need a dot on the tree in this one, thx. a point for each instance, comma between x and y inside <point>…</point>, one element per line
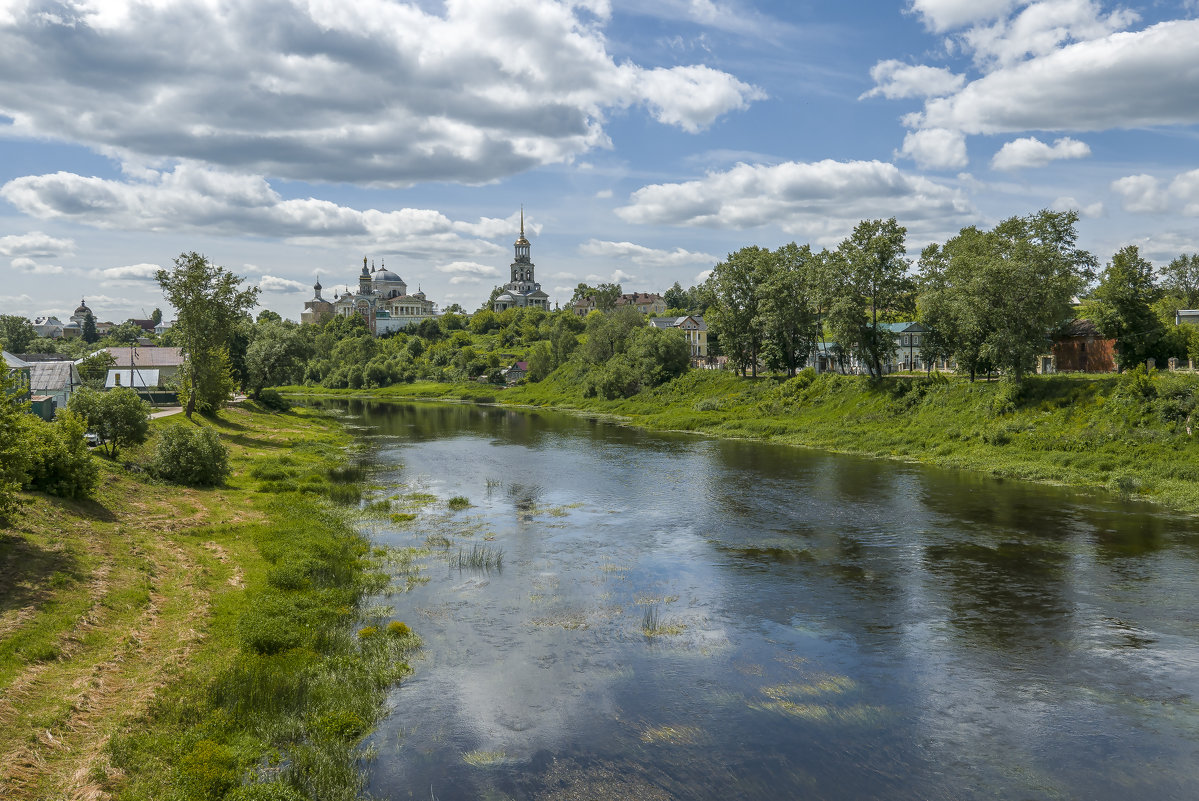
<point>13,454</point>
<point>117,417</point>
<point>1121,307</point>
<point>873,286</point>
<point>16,333</point>
<point>604,295</point>
<point>676,298</point>
<point>266,315</point>
<point>127,333</point>
<point>156,316</point>
<point>1180,278</point>
<point>737,283</point>
<point>1034,273</point>
<point>89,333</point>
<point>955,302</point>
<point>275,356</point>
<point>94,369</point>
<point>789,307</point>
<point>210,302</point>
<point>993,297</point>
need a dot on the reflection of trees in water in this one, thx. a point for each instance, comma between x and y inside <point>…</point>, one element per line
<point>1003,595</point>
<point>524,497</point>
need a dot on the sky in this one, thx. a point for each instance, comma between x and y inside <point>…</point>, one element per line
<point>644,139</point>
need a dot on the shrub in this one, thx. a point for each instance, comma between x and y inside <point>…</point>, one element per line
<point>58,461</point>
<point>399,629</point>
<point>192,456</point>
<point>367,632</point>
<point>271,399</point>
<point>209,770</point>
<point>267,791</point>
<point>459,502</point>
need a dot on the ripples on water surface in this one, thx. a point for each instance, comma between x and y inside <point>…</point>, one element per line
<point>822,626</point>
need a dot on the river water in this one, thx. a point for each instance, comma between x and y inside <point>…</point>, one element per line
<point>680,617</point>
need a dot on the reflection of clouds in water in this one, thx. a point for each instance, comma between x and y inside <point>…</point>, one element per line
<point>537,696</point>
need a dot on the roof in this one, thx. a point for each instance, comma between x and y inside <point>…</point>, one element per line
<point>520,366</point>
<point>148,357</point>
<point>638,297</point>
<point>1080,328</point>
<point>676,322</point>
<point>908,327</point>
<point>12,362</point>
<point>53,376</point>
<point>140,378</point>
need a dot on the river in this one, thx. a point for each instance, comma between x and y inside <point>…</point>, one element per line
<point>682,617</point>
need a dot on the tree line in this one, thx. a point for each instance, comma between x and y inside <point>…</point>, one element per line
<point>993,300</point>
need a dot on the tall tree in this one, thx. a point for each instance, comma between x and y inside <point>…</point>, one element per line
<point>210,302</point>
<point>1180,278</point>
<point>789,307</point>
<point>156,316</point>
<point>874,287</point>
<point>16,333</point>
<point>1035,271</point>
<point>954,301</point>
<point>88,333</point>
<point>1121,307</point>
<point>736,318</point>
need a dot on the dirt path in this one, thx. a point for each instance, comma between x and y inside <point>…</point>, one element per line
<point>111,667</point>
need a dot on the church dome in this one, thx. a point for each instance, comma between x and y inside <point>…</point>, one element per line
<point>83,309</point>
<point>387,275</point>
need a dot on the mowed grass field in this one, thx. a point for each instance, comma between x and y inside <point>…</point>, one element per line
<point>119,615</point>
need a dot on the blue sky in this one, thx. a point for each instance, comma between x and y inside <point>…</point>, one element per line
<point>288,139</point>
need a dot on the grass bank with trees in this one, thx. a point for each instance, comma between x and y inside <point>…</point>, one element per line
<point>160,641</point>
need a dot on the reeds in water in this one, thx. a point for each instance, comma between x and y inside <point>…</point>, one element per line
<point>480,557</point>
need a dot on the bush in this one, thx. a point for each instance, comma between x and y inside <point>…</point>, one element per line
<point>119,417</point>
<point>192,456</point>
<point>271,399</point>
<point>58,461</point>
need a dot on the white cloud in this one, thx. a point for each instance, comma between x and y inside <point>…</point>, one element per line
<point>1032,152</point>
<point>1041,28</point>
<point>467,269</point>
<point>35,244</point>
<point>944,15</point>
<point>895,79</point>
<point>1185,187</point>
<point>27,265</point>
<point>702,276</point>
<point>648,257</point>
<point>191,197</point>
<point>273,283</point>
<point>936,149</point>
<point>823,199</point>
<point>362,91</point>
<point>603,194</point>
<point>131,272</point>
<point>1091,211</point>
<point>1142,194</point>
<point>1122,80</point>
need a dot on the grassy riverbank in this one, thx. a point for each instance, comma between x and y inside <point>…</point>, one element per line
<point>1089,431</point>
<point>161,642</point>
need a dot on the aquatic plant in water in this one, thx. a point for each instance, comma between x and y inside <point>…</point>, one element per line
<point>480,557</point>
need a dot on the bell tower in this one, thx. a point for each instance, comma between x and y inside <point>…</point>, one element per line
<point>522,266</point>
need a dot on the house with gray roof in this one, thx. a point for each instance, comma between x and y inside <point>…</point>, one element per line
<point>57,379</point>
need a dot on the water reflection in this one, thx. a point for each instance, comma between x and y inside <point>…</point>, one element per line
<point>826,626</point>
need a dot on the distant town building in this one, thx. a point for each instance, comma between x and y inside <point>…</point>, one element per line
<point>522,291</point>
<point>644,302</point>
<point>21,369</point>
<point>382,300</point>
<point>694,329</point>
<point>48,327</point>
<point>164,362</point>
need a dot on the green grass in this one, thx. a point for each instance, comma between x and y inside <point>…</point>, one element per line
<point>208,637</point>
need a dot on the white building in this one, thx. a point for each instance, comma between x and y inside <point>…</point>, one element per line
<point>382,300</point>
<point>522,290</point>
